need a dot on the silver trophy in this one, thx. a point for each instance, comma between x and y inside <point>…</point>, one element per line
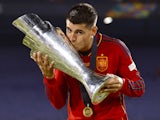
<point>41,36</point>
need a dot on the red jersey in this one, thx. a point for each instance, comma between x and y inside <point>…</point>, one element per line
<point>112,57</point>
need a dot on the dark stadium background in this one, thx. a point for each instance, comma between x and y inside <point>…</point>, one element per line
<point>22,95</point>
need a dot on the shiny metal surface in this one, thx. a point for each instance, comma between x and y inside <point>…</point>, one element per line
<point>41,36</point>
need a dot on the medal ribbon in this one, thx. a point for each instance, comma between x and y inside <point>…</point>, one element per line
<point>85,96</point>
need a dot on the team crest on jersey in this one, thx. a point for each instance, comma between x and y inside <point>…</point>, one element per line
<point>102,63</point>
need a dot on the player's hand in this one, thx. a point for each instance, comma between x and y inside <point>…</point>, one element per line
<point>45,66</point>
<point>113,84</point>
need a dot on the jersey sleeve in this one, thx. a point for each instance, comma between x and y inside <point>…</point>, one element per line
<point>56,89</point>
<point>133,82</point>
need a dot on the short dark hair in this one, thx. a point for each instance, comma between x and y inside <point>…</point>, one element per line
<point>83,13</point>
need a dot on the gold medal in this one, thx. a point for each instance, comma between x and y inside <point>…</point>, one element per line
<point>87,111</point>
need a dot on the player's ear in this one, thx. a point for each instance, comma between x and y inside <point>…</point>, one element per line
<point>94,30</point>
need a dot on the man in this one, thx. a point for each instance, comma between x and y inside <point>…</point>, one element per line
<point>112,57</point>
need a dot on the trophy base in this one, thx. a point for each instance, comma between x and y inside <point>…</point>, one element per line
<point>98,96</point>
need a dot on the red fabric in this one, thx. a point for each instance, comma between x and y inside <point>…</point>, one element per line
<point>112,57</point>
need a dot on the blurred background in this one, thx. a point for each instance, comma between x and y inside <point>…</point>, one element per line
<point>136,22</point>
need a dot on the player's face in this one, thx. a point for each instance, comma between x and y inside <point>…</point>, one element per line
<point>80,35</point>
